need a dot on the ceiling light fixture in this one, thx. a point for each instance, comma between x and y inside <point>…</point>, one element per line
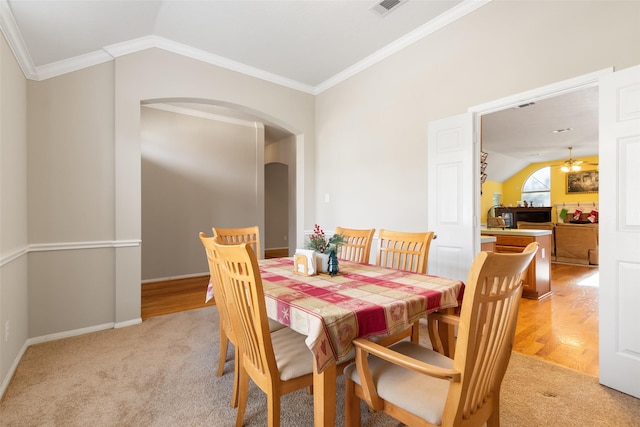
<point>571,165</point>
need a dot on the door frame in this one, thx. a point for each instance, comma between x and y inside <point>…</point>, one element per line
<point>538,94</point>
<point>535,95</point>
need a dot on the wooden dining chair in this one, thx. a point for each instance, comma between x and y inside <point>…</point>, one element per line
<point>421,387</point>
<point>226,329</point>
<point>227,334</point>
<point>357,244</point>
<point>279,362</point>
<point>403,250</point>
<point>240,235</point>
<point>251,235</point>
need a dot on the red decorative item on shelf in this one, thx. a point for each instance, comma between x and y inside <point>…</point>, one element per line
<point>576,214</point>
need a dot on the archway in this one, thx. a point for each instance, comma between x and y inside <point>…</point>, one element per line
<point>201,166</point>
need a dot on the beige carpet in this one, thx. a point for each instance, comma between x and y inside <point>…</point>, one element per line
<point>161,373</point>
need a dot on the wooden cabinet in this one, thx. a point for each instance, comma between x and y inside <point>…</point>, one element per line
<point>488,243</point>
<point>537,278</point>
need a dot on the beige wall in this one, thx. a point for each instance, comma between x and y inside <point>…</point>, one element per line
<point>278,222</point>
<point>13,212</point>
<point>196,173</point>
<point>83,148</point>
<point>276,202</point>
<point>155,74</point>
<point>372,128</point>
<point>71,159</point>
<point>71,201</point>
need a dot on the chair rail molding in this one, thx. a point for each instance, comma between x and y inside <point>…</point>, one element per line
<point>65,246</point>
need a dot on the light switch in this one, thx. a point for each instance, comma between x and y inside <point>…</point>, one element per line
<point>327,199</point>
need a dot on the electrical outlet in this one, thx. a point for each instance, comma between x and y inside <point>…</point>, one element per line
<point>6,331</point>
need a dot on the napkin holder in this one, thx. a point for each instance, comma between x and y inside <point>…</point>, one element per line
<point>304,263</point>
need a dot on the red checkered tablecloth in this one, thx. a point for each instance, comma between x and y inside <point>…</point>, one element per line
<point>363,300</point>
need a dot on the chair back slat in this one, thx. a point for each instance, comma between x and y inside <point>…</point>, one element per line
<point>487,327</point>
<point>245,295</point>
<point>357,244</point>
<point>234,236</point>
<point>404,251</point>
<point>216,281</point>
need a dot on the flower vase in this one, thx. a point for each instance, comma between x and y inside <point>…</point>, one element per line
<point>322,262</point>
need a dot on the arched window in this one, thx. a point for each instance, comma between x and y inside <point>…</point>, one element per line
<point>537,188</point>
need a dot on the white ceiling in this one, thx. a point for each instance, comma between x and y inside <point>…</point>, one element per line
<point>517,137</point>
<point>308,45</point>
<point>303,43</point>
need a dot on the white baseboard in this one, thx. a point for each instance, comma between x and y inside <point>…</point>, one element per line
<point>12,370</point>
<point>131,322</point>
<point>57,336</point>
<point>164,279</point>
<point>68,334</point>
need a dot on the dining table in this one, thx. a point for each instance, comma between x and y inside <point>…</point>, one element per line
<point>362,300</point>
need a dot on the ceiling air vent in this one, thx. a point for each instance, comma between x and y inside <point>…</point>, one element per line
<point>385,6</point>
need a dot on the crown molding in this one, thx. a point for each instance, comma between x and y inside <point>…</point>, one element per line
<point>59,68</point>
<point>450,16</point>
<point>107,53</point>
<point>16,42</point>
<point>200,55</point>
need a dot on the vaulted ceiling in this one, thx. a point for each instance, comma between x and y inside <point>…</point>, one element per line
<point>308,45</point>
<point>305,44</point>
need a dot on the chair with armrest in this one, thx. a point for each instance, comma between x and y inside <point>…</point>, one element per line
<point>226,329</point>
<point>233,236</point>
<point>279,362</point>
<point>421,387</point>
<point>357,244</point>
<point>404,251</point>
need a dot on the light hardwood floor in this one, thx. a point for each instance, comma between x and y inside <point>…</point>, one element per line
<point>562,328</point>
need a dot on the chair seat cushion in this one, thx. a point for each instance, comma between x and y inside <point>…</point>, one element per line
<point>419,394</point>
<point>293,357</point>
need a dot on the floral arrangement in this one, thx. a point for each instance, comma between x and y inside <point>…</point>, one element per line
<point>319,242</point>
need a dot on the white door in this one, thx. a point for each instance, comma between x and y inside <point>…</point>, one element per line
<point>620,231</point>
<point>451,196</point>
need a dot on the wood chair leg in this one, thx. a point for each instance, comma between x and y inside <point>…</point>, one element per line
<point>236,378</point>
<point>415,333</point>
<point>224,346</point>
<point>352,405</point>
<point>273,404</point>
<point>434,336</point>
<point>494,418</point>
<point>243,385</point>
